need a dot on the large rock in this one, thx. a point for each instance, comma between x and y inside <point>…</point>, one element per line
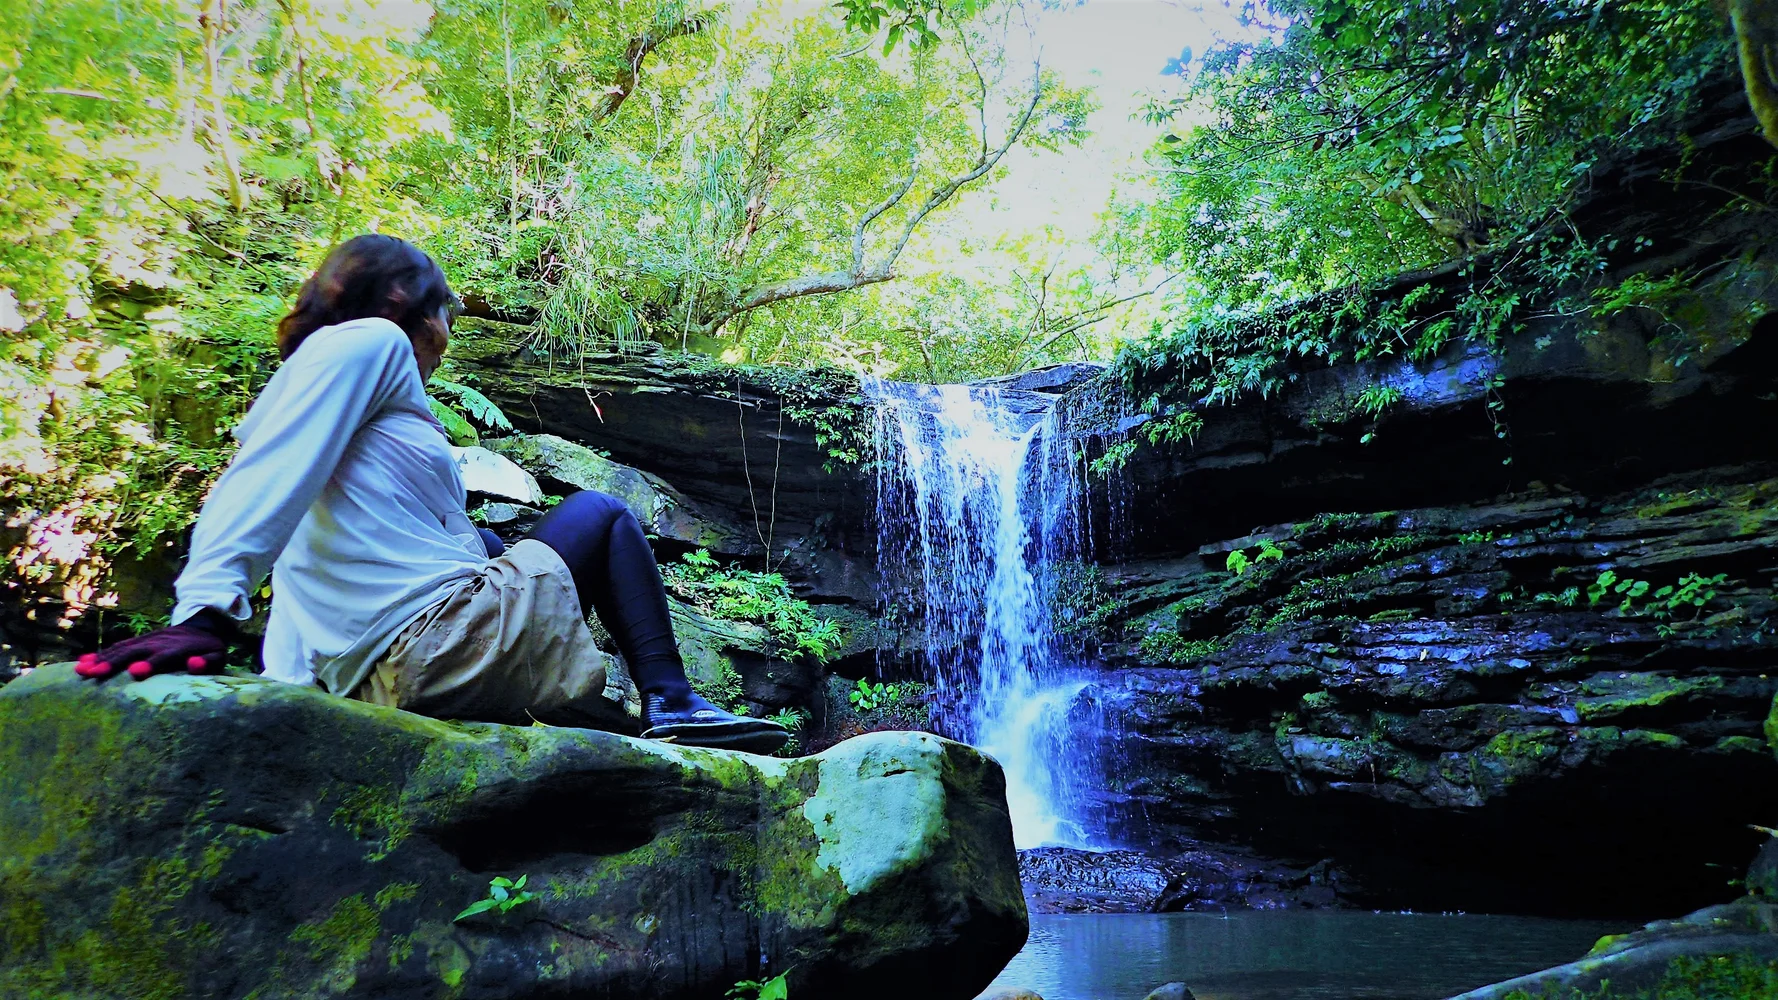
<point>1408,692</point>
<point>660,508</point>
<point>232,836</point>
<point>1728,951</point>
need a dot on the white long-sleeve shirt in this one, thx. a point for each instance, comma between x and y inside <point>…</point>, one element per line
<point>345,488</point>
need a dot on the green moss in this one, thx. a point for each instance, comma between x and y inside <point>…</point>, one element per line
<point>1740,976</point>
<point>1614,695</point>
<point>343,940</point>
<point>1163,646</point>
<point>1739,744</point>
<point>1525,744</point>
<point>396,892</point>
<point>375,813</point>
<point>1772,725</point>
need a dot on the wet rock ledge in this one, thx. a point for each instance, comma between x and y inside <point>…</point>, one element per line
<point>231,837</point>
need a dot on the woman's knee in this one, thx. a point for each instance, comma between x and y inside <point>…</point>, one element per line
<point>591,510</point>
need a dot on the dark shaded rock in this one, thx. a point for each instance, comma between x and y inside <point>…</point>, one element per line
<point>1762,876</point>
<point>1170,991</point>
<point>1403,682</point>
<point>567,466</point>
<point>229,836</point>
<point>758,458</point>
<point>1065,880</point>
<point>1052,379</point>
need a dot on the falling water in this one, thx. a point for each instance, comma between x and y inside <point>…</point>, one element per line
<point>975,505</point>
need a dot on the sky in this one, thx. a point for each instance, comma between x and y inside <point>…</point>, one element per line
<point>1121,48</point>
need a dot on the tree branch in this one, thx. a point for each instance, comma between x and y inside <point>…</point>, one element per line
<point>212,22</point>
<point>863,273</point>
<point>636,53</point>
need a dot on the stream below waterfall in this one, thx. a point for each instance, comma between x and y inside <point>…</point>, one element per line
<point>1289,954</point>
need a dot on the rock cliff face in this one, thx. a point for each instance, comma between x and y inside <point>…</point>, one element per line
<point>1509,647</point>
<point>1444,699</point>
<point>740,461</point>
<point>230,837</point>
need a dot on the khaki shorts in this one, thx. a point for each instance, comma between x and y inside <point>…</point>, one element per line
<point>511,646</point>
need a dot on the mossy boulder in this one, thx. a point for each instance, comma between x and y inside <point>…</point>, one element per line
<point>660,508</point>
<point>1727,952</point>
<point>237,837</point>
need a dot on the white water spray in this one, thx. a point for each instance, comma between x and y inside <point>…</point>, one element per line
<point>971,510</point>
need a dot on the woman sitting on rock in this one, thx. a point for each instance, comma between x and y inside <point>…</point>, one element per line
<point>345,489</point>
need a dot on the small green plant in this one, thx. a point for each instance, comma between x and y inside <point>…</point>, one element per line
<point>869,697</point>
<point>1317,699</point>
<point>1168,646</point>
<point>1377,398</point>
<point>821,640</point>
<point>793,719</point>
<point>468,403</point>
<point>1238,562</point>
<point>1567,598</point>
<point>777,988</point>
<point>762,598</point>
<point>1163,428</point>
<point>503,896</point>
<point>1114,458</point>
<point>1692,591</point>
<point>1475,537</point>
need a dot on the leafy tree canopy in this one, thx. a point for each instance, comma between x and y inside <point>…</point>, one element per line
<point>1366,138</point>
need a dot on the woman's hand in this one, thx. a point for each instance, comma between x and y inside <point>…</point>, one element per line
<point>183,648</point>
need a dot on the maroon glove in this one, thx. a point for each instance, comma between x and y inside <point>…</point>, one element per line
<point>188,647</point>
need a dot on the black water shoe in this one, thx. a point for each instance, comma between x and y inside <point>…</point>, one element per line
<point>691,721</point>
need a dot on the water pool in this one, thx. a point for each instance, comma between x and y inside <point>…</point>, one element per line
<point>1289,955</point>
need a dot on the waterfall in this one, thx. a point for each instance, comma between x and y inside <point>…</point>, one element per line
<point>976,502</point>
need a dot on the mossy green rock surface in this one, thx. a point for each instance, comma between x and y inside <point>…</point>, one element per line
<point>236,837</point>
<point>1727,952</point>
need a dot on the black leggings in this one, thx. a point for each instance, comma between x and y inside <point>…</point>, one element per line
<point>616,577</point>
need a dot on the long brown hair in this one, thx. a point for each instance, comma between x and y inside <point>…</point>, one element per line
<point>370,275</point>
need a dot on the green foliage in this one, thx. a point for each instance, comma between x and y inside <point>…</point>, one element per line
<point>1377,398</point>
<point>471,403</point>
<point>503,896</point>
<point>1363,138</point>
<point>1693,591</point>
<point>1238,562</point>
<point>1165,646</point>
<point>794,719</point>
<point>173,180</point>
<point>762,598</point>
<point>1082,606</point>
<point>1739,976</point>
<point>1164,426</point>
<point>461,432</point>
<point>915,20</point>
<point>869,697</point>
<point>776,988</point>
